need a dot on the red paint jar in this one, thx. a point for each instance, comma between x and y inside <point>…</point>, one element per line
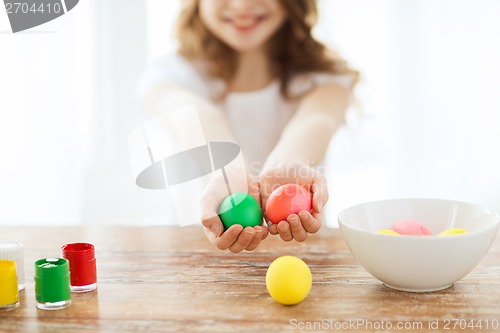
<point>82,266</point>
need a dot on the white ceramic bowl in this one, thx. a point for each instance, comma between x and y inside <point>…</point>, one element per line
<point>418,263</point>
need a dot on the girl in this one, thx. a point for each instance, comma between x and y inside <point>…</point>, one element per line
<point>258,78</point>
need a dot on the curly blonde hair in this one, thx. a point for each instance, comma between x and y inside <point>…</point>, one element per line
<point>292,49</point>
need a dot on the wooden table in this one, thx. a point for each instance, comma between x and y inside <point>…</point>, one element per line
<point>166,279</point>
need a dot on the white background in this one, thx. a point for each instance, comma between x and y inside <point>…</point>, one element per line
<point>426,126</point>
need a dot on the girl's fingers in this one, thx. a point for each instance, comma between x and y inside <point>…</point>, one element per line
<point>273,228</point>
<point>311,223</point>
<point>265,231</point>
<point>284,231</point>
<point>244,239</point>
<point>319,189</point>
<point>257,238</point>
<point>236,237</point>
<point>228,238</point>
<point>298,231</point>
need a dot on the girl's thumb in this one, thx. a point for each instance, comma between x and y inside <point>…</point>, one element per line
<point>215,229</point>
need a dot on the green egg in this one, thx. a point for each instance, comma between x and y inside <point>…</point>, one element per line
<point>240,208</point>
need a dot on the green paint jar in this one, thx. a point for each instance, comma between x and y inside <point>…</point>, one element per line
<point>52,283</point>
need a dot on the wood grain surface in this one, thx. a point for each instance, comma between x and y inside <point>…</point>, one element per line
<point>167,279</point>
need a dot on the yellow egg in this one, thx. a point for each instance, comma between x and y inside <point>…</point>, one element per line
<point>288,280</point>
<point>453,231</point>
<point>387,232</point>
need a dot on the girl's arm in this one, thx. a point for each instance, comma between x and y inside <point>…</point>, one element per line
<point>215,127</point>
<point>303,144</point>
<point>306,137</point>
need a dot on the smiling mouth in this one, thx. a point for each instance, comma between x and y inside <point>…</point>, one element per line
<point>245,23</point>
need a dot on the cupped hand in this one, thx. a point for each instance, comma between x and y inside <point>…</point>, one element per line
<point>236,238</point>
<point>296,226</point>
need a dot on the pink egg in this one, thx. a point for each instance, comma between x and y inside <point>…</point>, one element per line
<point>287,199</point>
<point>411,228</point>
